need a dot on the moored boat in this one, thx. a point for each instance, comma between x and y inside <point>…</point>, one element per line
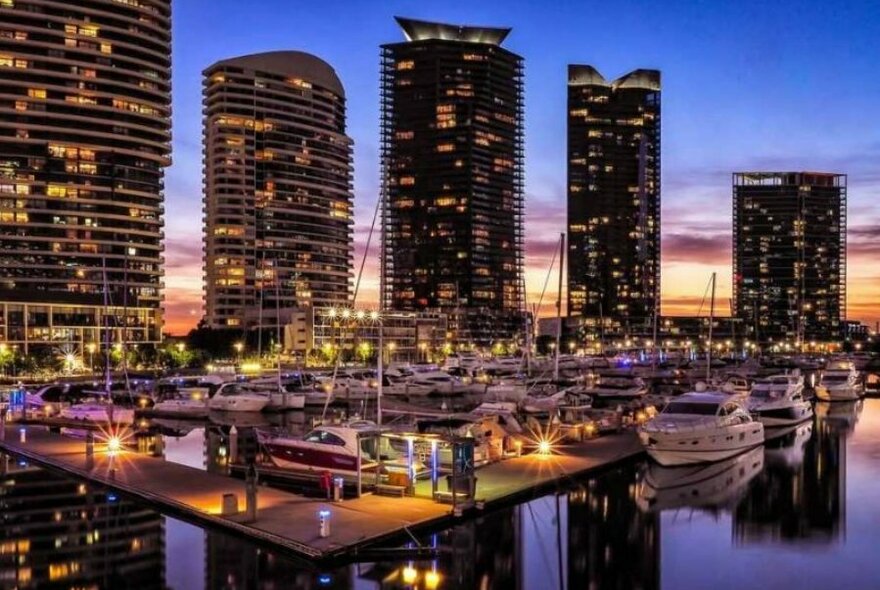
<point>700,427</point>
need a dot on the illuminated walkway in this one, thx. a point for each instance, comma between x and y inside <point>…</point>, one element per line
<point>288,520</point>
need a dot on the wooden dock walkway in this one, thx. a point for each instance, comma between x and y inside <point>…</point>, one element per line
<point>289,521</point>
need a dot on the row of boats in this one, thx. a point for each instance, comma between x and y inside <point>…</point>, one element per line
<point>707,426</point>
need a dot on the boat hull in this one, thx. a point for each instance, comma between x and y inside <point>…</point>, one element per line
<point>835,394</point>
<point>236,403</point>
<point>308,458</point>
<point>120,415</point>
<point>686,448</point>
<point>784,415</point>
<point>286,401</point>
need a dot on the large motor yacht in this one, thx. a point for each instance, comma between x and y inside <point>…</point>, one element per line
<point>779,400</point>
<point>840,381</point>
<point>698,428</point>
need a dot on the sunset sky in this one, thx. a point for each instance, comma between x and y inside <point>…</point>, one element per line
<point>746,86</point>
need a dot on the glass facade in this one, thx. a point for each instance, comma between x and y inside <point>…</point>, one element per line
<point>85,129</point>
<point>614,195</point>
<point>278,187</point>
<point>452,164</point>
<point>789,255</point>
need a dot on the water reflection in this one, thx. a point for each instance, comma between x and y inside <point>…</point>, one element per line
<point>56,532</point>
<point>638,526</point>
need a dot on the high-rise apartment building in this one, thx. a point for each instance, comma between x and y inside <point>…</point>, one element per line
<point>278,188</point>
<point>85,131</point>
<point>789,255</point>
<point>452,165</point>
<point>614,195</point>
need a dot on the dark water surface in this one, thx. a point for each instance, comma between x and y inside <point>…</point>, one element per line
<point>804,512</point>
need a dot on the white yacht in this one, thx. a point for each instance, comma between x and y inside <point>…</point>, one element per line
<point>840,381</point>
<point>617,386</point>
<point>98,411</point>
<point>699,428</point>
<point>779,400</point>
<point>186,404</point>
<point>736,386</point>
<point>237,397</point>
<point>440,383</point>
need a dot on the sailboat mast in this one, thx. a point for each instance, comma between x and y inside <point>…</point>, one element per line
<point>559,308</point>
<point>106,328</point>
<point>711,321</point>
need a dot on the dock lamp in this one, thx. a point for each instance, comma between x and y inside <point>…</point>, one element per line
<point>324,523</point>
<point>114,445</point>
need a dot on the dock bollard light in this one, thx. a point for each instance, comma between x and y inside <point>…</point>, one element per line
<point>324,523</point>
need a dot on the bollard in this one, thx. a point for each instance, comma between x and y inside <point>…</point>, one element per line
<point>3,424</point>
<point>90,444</point>
<point>22,435</point>
<point>324,523</point>
<point>251,493</point>
<point>338,484</point>
<point>233,445</point>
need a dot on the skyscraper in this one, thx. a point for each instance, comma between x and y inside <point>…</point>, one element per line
<point>452,163</point>
<point>278,188</point>
<point>85,131</point>
<point>789,255</point>
<point>614,195</point>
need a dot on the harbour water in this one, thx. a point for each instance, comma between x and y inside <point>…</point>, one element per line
<point>802,512</point>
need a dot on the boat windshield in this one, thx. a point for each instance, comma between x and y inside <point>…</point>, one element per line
<point>324,437</point>
<point>693,408</point>
<point>834,378</point>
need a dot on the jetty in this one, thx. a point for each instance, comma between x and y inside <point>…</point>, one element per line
<point>291,522</point>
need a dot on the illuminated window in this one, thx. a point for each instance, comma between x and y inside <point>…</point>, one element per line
<point>407,181</point>
<point>406,64</point>
<point>404,135</point>
<point>106,48</point>
<point>37,92</point>
<point>446,147</point>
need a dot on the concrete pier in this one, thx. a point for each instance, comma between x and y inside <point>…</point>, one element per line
<point>290,521</point>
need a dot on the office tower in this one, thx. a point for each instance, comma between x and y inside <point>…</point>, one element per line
<point>452,164</point>
<point>278,189</point>
<point>614,195</point>
<point>789,255</point>
<point>85,131</point>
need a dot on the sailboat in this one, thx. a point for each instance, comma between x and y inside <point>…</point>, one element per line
<point>101,407</point>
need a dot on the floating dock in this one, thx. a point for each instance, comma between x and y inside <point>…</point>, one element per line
<point>289,521</point>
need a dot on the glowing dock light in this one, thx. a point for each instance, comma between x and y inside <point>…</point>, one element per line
<point>432,580</point>
<point>114,444</point>
<point>22,435</point>
<point>544,447</point>
<point>409,575</point>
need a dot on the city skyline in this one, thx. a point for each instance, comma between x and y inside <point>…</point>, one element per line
<point>714,123</point>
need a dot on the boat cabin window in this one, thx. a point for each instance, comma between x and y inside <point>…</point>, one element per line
<point>702,409</point>
<point>324,437</point>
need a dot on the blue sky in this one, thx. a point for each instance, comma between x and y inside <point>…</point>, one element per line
<point>746,85</point>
